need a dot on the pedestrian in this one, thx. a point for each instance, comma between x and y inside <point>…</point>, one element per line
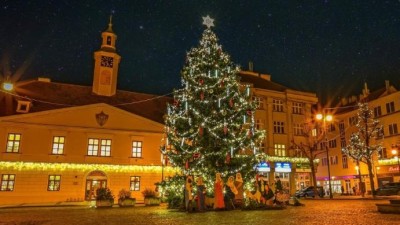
<point>278,185</point>
<point>354,190</point>
<point>342,189</point>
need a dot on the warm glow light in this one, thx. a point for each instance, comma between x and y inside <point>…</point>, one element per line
<point>329,118</point>
<point>8,86</point>
<point>319,116</point>
<point>394,151</point>
<point>357,168</point>
<point>39,166</point>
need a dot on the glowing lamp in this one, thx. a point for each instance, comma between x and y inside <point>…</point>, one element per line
<point>319,116</point>
<point>8,86</point>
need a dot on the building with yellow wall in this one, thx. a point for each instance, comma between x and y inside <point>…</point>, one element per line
<point>282,111</point>
<point>60,142</point>
<point>385,104</point>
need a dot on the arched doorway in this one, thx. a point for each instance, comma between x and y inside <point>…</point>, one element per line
<point>94,180</point>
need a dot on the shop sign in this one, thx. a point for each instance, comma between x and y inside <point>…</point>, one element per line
<point>263,167</point>
<point>283,167</point>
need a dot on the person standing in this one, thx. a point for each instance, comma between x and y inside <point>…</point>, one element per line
<point>201,194</point>
<point>239,188</point>
<point>218,192</point>
<point>188,193</point>
<point>278,184</point>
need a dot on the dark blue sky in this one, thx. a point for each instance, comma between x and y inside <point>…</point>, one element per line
<point>328,47</point>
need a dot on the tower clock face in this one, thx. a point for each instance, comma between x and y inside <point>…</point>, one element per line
<point>107,61</point>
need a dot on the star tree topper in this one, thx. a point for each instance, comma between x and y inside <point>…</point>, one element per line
<point>208,21</point>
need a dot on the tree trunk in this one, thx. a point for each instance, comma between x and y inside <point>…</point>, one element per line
<point>371,177</point>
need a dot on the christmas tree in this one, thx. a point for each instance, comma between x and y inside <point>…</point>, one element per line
<point>210,126</point>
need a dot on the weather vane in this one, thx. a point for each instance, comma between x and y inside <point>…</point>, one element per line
<point>208,21</point>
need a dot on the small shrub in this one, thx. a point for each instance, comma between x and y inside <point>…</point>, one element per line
<point>124,194</point>
<point>104,194</point>
<point>149,193</point>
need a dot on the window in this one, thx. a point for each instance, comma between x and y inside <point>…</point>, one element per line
<point>393,129</point>
<point>324,162</point>
<point>353,121</point>
<point>135,183</point>
<point>261,146</point>
<point>136,149</point>
<point>13,142</point>
<point>279,127</point>
<point>259,124</point>
<point>331,127</point>
<point>58,145</point>
<point>343,142</point>
<point>390,107</point>
<point>7,182</point>
<point>280,150</point>
<point>334,160</point>
<point>332,143</point>
<point>345,164</point>
<point>277,105</point>
<point>298,129</point>
<point>105,147</point>
<point>259,102</point>
<point>382,153</point>
<point>377,111</point>
<point>297,108</point>
<point>54,183</point>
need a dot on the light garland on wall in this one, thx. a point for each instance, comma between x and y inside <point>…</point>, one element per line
<point>269,158</point>
<point>388,162</point>
<point>42,166</point>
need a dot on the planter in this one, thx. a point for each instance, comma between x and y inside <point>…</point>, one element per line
<point>104,203</point>
<point>127,202</point>
<point>150,201</point>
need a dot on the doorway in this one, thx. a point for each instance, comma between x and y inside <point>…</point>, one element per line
<point>94,181</point>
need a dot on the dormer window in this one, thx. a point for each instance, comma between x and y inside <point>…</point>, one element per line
<point>23,106</point>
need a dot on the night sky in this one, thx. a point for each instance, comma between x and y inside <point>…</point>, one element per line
<point>327,47</point>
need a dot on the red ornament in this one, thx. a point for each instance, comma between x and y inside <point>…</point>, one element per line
<point>196,155</point>
<point>201,131</point>
<point>202,96</point>
<point>187,165</point>
<point>201,81</point>
<point>231,102</point>
<point>225,129</point>
<point>176,102</point>
<point>222,83</point>
<point>249,112</point>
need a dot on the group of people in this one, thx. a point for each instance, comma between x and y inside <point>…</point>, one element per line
<point>229,195</point>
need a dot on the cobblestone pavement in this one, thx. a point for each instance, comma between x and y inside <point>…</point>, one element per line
<point>319,212</point>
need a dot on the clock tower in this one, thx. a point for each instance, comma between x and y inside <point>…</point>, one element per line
<point>106,62</point>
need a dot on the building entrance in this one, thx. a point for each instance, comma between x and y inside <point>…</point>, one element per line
<point>94,181</point>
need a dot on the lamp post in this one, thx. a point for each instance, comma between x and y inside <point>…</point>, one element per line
<point>324,117</point>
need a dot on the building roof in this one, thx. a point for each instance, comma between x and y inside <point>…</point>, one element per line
<point>262,81</point>
<point>46,95</point>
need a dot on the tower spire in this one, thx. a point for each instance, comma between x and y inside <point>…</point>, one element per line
<point>109,29</point>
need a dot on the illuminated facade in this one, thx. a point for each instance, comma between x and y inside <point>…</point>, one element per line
<point>281,112</point>
<point>61,141</point>
<point>385,104</point>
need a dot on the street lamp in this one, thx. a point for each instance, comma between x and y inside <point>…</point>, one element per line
<point>324,118</point>
<point>395,153</point>
<point>8,86</point>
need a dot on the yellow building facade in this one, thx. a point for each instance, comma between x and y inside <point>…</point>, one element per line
<point>281,113</point>
<point>345,171</point>
<point>60,142</point>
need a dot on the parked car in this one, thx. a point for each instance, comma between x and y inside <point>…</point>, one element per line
<point>392,188</point>
<point>310,192</point>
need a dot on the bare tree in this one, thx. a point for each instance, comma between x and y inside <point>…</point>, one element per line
<point>310,145</point>
<point>361,149</point>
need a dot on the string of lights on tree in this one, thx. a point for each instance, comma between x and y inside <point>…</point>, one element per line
<point>210,125</point>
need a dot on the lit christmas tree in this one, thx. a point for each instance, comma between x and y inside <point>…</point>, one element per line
<point>210,126</point>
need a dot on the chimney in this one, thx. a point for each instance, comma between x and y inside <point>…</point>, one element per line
<point>365,90</point>
<point>250,66</point>
<point>387,85</point>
